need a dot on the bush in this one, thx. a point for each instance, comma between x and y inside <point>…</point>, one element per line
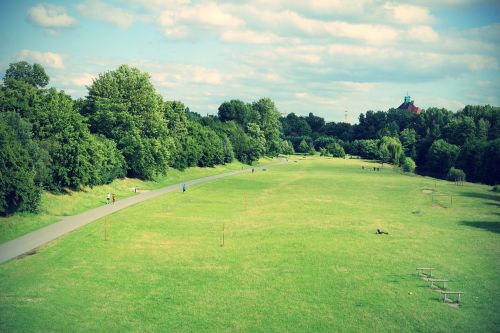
<point>408,165</point>
<point>323,152</point>
<point>287,148</point>
<point>456,175</point>
<point>496,188</point>
<point>335,149</point>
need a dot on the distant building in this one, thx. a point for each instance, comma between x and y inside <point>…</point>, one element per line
<point>408,105</point>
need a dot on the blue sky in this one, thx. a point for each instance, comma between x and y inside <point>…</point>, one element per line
<point>320,56</point>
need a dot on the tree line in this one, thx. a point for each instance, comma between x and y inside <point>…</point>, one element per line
<point>436,142</point>
<point>123,127</point>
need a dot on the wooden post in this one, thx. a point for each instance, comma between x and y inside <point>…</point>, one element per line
<point>106,228</point>
<point>222,239</point>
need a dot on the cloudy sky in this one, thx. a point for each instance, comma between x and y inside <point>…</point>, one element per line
<point>320,56</point>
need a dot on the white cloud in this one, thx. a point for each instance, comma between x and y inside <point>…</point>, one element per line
<point>373,33</point>
<point>49,59</point>
<point>209,14</point>
<point>424,34</point>
<point>192,21</point>
<point>357,86</point>
<point>84,79</point>
<point>102,11</point>
<point>287,22</point>
<point>177,74</point>
<point>409,14</point>
<point>237,23</point>
<point>157,5</point>
<point>50,16</point>
<point>204,75</point>
<point>250,37</point>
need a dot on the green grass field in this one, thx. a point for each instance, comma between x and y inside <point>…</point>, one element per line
<point>55,206</point>
<point>300,255</point>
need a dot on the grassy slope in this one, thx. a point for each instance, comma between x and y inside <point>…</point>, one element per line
<point>53,207</point>
<point>300,255</point>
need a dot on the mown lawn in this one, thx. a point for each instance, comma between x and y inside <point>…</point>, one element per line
<point>55,206</point>
<point>300,255</point>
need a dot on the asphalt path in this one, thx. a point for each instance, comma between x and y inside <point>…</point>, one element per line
<point>32,241</point>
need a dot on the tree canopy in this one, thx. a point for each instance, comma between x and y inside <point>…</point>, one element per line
<point>124,127</point>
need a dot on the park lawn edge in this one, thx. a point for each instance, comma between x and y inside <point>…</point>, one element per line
<point>53,207</point>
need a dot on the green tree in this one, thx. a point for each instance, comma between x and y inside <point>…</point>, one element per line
<point>316,123</point>
<point>177,124</point>
<point>441,157</point>
<point>490,166</point>
<point>270,125</point>
<point>40,157</point>
<point>391,150</point>
<point>459,130</point>
<point>257,135</point>
<point>18,190</point>
<point>364,148</point>
<point>408,138</point>
<point>212,150</point>
<point>408,165</point>
<point>124,106</point>
<point>335,149</point>
<point>22,71</point>
<point>238,111</point>
<point>303,147</point>
<point>456,175</point>
<point>287,148</point>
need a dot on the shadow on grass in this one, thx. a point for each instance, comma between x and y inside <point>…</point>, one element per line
<point>486,196</point>
<point>486,225</point>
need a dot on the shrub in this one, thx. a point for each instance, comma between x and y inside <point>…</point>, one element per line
<point>456,175</point>
<point>408,165</point>
<point>335,149</point>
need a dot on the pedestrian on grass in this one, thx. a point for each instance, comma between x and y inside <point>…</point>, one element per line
<point>108,196</point>
<point>183,188</point>
<point>114,198</point>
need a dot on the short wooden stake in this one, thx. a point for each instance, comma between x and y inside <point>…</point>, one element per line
<point>222,239</point>
<point>105,228</point>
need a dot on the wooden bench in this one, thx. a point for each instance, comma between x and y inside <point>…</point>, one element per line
<point>420,271</point>
<point>445,294</point>
<point>432,281</point>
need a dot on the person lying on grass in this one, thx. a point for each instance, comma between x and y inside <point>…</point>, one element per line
<point>381,232</point>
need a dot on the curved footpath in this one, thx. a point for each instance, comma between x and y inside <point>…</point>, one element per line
<point>35,239</point>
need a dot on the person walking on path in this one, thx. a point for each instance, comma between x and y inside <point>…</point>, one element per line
<point>108,196</point>
<point>183,188</point>
<point>114,198</point>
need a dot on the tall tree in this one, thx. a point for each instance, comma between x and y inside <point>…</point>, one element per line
<point>270,125</point>
<point>18,190</point>
<point>32,74</point>
<point>441,157</point>
<point>124,106</point>
<point>238,111</point>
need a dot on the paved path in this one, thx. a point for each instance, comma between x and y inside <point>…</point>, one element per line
<point>35,239</point>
